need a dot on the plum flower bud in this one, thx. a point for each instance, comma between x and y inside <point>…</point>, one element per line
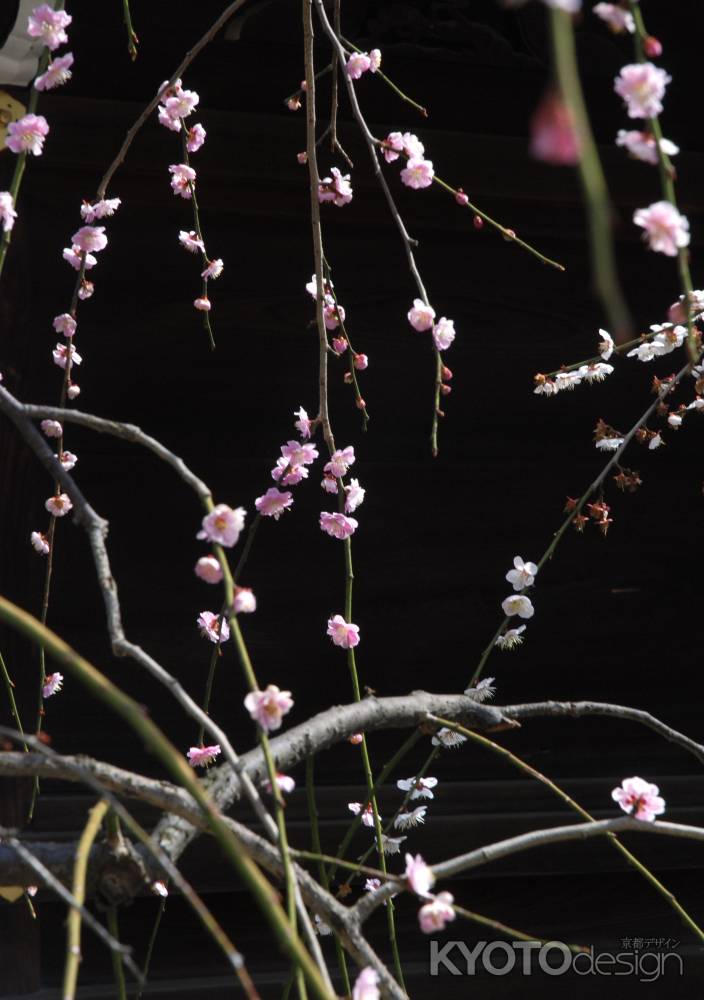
<point>59,505</point>
<point>293,104</point>
<point>90,239</point>
<point>366,986</point>
<point>461,198</point>
<point>65,323</point>
<point>52,428</point>
<point>87,287</point>
<point>203,756</point>
<point>666,231</point>
<point>652,47</point>
<point>356,738</point>
<point>7,211</point>
<point>434,915</point>
<point>302,157</point>
<point>40,543</point>
<point>361,362</point>
<point>52,685</point>
<point>210,628</point>
<point>273,503</point>
<point>375,60</point>
<point>73,391</point>
<point>343,634</point>
<point>159,888</point>
<point>57,73</point>
<point>517,604</point>
<point>419,876</point>
<point>421,316</point>
<point>338,525</point>
<point>554,137</point>
<point>640,798</point>
<point>478,222</point>
<point>208,569</point>
<point>202,304</point>
<point>49,25</point>
<point>339,345</point>
<point>27,134</point>
<point>245,602</point>
<point>443,333</point>
<point>68,460</point>
<point>182,177</point>
<point>268,708</point>
<point>418,173</point>
<point>642,87</point>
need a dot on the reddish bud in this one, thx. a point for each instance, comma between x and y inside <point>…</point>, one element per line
<point>509,235</point>
<point>478,222</point>
<point>446,390</point>
<point>302,157</point>
<point>356,738</point>
<point>460,197</point>
<point>360,404</point>
<point>446,373</point>
<point>652,47</point>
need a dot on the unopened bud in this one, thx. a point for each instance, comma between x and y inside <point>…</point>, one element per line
<point>509,235</point>
<point>652,47</point>
<point>348,378</point>
<point>478,222</point>
<point>73,391</point>
<point>293,104</point>
<point>360,404</point>
<point>304,85</point>
<point>446,390</point>
<point>302,157</point>
<point>356,738</point>
<point>446,373</point>
<point>461,198</point>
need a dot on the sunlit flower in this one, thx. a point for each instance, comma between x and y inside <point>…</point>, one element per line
<point>342,633</point>
<point>358,63</point>
<point>642,87</point>
<point>553,135</point>
<point>609,443</point>
<point>336,189</point>
<point>407,820</point>
<point>57,73</point>
<point>361,362</point>
<point>203,756</point>
<point>72,255</point>
<point>321,927</point>
<point>59,505</point>
<point>196,138</point>
<point>420,788</point>
<point>642,145</point>
<point>191,241</point>
<point>210,628</point>
<point>65,323</point>
<point>419,876</point>
<point>418,173</point>
<point>655,442</point>
<point>99,209</point>
<point>159,889</point>
<point>52,428</point>
<point>665,229</point>
<point>49,25</point>
<point>606,345</point>
<point>214,269</point>
<point>522,575</point>
<point>284,782</point>
<point>421,316</point>
<point>182,104</point>
<point>338,525</point>
<point>273,503</point>
<point>202,304</point>
<point>52,685</point>
<point>340,461</point>
<point>182,177</point>
<point>517,604</point>
<point>354,496</point>
<point>27,134</point>
<point>208,568</point>
<point>443,333</point>
<point>269,707</point>
<point>299,454</point>
<point>223,525</point>
<point>434,915</point>
<point>7,211</point>
<point>617,18</point>
<point>90,239</point>
<point>245,602</point>
<point>303,424</point>
<point>391,845</point>
<point>40,543</point>
<point>68,460</point>
<point>366,814</point>
<point>639,798</point>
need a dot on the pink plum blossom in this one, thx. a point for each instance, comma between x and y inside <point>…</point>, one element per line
<point>329,484</point>
<point>366,815</point>
<point>338,525</point>
<point>361,362</point>
<point>412,146</point>
<point>333,315</point>
<point>339,345</point>
<point>393,146</point>
<point>191,241</point>
<point>617,18</point>
<point>420,788</point>
<point>222,525</point>
<point>273,503</point>
<point>65,323</point>
<point>245,602</point>
<point>268,708</point>
<point>52,428</point>
<point>40,543</point>
<point>336,189</point>
<point>58,72</point>
<point>203,756</point>
<point>202,304</point>
<point>356,738</point>
<point>167,121</point>
<point>196,138</point>
<point>87,288</point>
<point>443,333</point>
<point>375,60</point>
<point>214,269</point>
<point>340,461</point>
<point>59,505</point>
<point>68,460</point>
<point>642,145</point>
<point>303,424</point>
<point>288,474</point>
<point>358,63</point>
<point>418,173</point>
<point>666,231</point>
<point>642,87</point>
<point>299,454</point>
<point>182,177</point>
<point>553,135</point>
<point>640,798</point>
<point>522,575</point>
<point>354,496</point>
<point>99,209</point>
<point>27,134</point>
<point>208,569</point>
<point>419,876</point>
<point>52,684</point>
<point>284,782</point>
<point>49,25</point>
<point>62,352</point>
<point>517,604</point>
<point>209,625</point>
<point>366,986</point>
<point>90,239</point>
<point>72,255</point>
<point>434,915</point>
<point>342,633</point>
<point>181,104</point>
<point>421,316</point>
<point>7,211</point>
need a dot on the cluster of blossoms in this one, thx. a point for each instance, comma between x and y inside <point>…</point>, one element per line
<point>595,372</point>
<point>362,62</point>
<point>336,188</point>
<point>177,104</point>
<point>418,172</point>
<point>520,577</point>
<point>422,318</point>
<point>438,910</point>
<point>598,512</point>
<point>222,526</point>
<point>334,316</point>
<point>642,87</point>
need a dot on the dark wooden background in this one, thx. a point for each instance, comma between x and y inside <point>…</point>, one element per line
<point>616,619</point>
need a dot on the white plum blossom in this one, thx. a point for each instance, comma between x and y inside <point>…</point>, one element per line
<point>391,845</point>
<point>609,443</point>
<point>448,738</point>
<point>606,344</point>
<point>407,820</point>
<point>511,638</point>
<point>517,604</point>
<point>522,575</point>
<point>420,788</point>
